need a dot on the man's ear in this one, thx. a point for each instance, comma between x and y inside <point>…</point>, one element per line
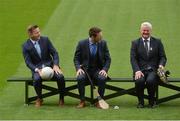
<point>30,34</point>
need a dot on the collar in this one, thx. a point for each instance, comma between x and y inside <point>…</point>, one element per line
<point>91,42</point>
<point>33,41</point>
<point>148,39</point>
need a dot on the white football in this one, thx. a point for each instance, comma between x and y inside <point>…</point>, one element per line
<point>47,73</point>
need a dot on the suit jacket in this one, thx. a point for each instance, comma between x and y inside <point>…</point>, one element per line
<point>139,58</point>
<point>82,55</point>
<point>49,55</point>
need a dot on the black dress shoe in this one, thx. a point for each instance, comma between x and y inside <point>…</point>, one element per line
<point>152,106</point>
<point>140,105</point>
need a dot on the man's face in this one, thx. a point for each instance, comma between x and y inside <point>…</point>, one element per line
<point>145,32</point>
<point>35,34</point>
<point>98,37</point>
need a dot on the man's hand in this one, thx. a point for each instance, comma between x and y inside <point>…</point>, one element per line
<point>103,73</point>
<point>161,66</point>
<point>79,72</point>
<point>138,75</point>
<point>57,69</point>
<point>39,71</point>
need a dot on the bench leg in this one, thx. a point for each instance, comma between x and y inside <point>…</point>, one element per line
<point>92,94</point>
<point>157,94</point>
<point>26,93</point>
<point>170,97</point>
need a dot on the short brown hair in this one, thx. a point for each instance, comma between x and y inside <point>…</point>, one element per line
<point>94,31</point>
<point>31,28</point>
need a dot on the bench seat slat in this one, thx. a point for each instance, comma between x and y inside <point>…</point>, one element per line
<point>24,79</point>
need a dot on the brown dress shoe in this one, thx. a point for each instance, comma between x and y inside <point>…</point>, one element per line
<point>97,105</point>
<point>61,102</point>
<point>81,104</point>
<point>38,102</point>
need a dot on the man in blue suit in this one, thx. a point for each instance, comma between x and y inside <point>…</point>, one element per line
<point>94,55</point>
<point>39,52</point>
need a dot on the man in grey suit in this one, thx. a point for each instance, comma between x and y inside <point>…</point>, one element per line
<point>94,55</point>
<point>147,55</point>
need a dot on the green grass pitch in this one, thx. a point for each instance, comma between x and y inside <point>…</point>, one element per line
<point>66,22</point>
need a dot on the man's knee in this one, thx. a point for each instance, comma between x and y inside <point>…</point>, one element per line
<point>102,78</point>
<point>59,77</point>
<point>81,78</point>
<point>152,79</point>
<point>37,79</point>
<point>140,81</point>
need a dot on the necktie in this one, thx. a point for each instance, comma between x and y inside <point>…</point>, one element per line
<point>146,47</point>
<point>38,49</point>
<point>93,49</point>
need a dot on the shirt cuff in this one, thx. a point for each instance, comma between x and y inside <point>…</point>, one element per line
<point>36,69</point>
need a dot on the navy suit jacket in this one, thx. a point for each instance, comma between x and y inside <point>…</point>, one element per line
<point>139,58</point>
<point>49,55</point>
<point>82,55</point>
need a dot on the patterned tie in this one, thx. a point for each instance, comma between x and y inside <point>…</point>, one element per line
<point>146,47</point>
<point>93,49</point>
<point>38,49</point>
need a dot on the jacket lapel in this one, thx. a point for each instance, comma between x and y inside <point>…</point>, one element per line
<point>99,49</point>
<point>151,47</point>
<point>87,49</point>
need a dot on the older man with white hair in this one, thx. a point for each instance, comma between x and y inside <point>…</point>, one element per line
<point>147,55</point>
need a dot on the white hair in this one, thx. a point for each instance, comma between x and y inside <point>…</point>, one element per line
<point>147,24</point>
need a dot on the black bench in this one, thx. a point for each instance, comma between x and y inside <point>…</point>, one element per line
<point>118,91</point>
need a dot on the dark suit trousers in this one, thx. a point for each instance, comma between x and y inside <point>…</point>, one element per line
<point>38,84</point>
<point>98,80</point>
<point>149,80</point>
